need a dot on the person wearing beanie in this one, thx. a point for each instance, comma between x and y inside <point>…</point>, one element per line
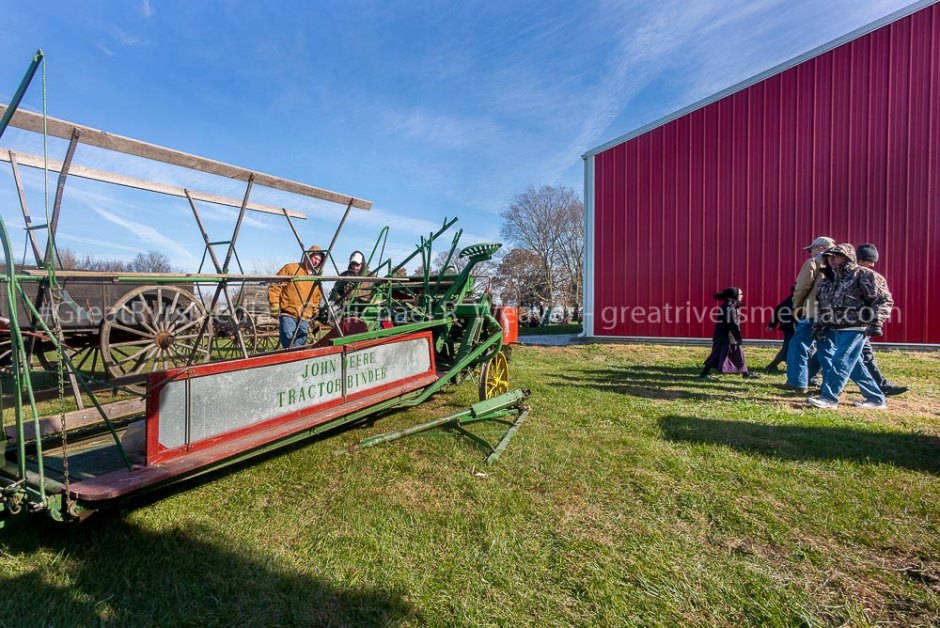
<point>346,291</point>
<point>852,304</point>
<point>727,356</point>
<point>867,258</point>
<point>782,318</point>
<point>802,364</point>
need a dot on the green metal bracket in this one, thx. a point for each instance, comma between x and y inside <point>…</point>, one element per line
<point>497,410</point>
<point>18,96</point>
<point>391,331</point>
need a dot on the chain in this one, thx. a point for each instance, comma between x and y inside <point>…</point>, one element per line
<point>56,294</point>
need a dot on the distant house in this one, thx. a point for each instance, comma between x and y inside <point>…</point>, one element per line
<point>841,141</point>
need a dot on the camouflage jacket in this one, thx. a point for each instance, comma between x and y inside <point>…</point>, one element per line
<point>345,291</point>
<point>853,297</point>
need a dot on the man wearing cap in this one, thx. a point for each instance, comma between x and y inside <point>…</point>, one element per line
<point>852,305</point>
<point>346,291</point>
<point>867,255</point>
<point>295,303</point>
<point>802,364</point>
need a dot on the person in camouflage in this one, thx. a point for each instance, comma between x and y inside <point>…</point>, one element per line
<point>346,291</point>
<point>851,305</point>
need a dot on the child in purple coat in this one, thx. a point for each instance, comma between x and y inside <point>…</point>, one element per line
<point>727,355</point>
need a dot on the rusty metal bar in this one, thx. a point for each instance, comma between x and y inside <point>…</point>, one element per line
<point>205,234</point>
<point>24,208</point>
<point>238,225</point>
<point>57,206</point>
<point>339,228</point>
<point>297,237</point>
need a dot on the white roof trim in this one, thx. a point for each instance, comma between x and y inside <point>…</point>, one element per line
<point>815,52</point>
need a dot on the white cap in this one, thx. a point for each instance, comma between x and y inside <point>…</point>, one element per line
<point>820,241</point>
<point>356,258</point>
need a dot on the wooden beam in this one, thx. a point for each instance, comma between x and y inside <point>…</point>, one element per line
<point>35,161</point>
<point>78,418</point>
<point>195,277</point>
<point>32,121</point>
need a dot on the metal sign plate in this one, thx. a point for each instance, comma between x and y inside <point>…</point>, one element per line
<point>203,407</point>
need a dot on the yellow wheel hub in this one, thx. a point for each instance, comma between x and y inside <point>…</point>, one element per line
<point>494,378</point>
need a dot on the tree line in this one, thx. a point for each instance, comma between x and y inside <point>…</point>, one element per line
<point>149,262</point>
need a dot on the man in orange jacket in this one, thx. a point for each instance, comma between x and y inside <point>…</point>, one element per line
<point>295,303</point>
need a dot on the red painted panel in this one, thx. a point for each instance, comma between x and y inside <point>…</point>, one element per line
<point>845,144</point>
<point>316,414</point>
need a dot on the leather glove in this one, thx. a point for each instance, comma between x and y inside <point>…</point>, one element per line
<point>275,311</point>
<point>323,315</point>
<point>874,331</point>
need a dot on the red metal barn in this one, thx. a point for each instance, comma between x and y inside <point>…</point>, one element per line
<point>843,141</point>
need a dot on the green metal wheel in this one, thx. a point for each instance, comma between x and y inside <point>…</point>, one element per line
<point>494,377</point>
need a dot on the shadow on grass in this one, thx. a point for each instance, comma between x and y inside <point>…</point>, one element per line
<point>655,382</point>
<point>110,570</point>
<point>917,452</point>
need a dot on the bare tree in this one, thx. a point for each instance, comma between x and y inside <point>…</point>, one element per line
<point>455,265</point>
<point>150,262</point>
<point>540,219</point>
<point>519,279</point>
<point>70,260</point>
<point>571,259</point>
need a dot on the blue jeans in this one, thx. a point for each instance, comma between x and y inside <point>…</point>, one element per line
<point>840,354</point>
<point>286,326</point>
<point>868,357</point>
<point>802,363</point>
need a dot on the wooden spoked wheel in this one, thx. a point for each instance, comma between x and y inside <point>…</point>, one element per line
<point>83,350</point>
<point>267,337</point>
<point>154,328</point>
<point>6,353</point>
<point>494,377</point>
<point>226,328</point>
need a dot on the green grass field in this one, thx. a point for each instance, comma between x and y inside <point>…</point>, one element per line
<point>634,494</point>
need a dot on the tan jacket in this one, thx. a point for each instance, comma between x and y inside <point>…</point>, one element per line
<point>807,282</point>
<point>290,296</point>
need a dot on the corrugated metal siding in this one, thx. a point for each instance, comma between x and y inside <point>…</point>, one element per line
<point>844,144</point>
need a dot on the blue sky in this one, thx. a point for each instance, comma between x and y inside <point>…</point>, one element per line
<point>429,109</point>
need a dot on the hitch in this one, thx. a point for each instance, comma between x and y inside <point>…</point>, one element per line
<point>506,409</point>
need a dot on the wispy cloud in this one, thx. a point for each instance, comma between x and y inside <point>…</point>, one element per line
<point>123,37</point>
<point>146,10</point>
<point>103,48</point>
<point>97,242</point>
<point>444,131</point>
<point>145,233</point>
<point>644,49</point>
